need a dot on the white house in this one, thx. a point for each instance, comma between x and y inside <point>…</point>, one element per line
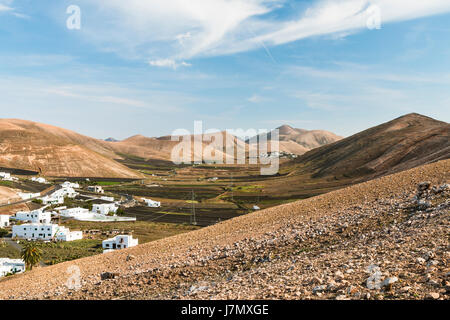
<point>57,197</point>
<point>45,232</point>
<point>119,242</point>
<point>65,192</point>
<point>4,175</point>
<point>104,208</point>
<point>69,184</point>
<point>107,198</point>
<point>11,266</point>
<point>39,180</point>
<point>35,216</point>
<point>76,213</point>
<point>4,220</point>
<point>67,235</point>
<point>52,200</point>
<point>96,189</point>
<point>151,203</point>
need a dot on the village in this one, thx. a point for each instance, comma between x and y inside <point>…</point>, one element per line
<point>43,224</point>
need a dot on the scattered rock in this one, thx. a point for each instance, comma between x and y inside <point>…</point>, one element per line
<point>108,275</point>
<point>432,296</point>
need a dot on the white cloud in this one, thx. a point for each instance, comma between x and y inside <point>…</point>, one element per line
<point>257,99</point>
<point>168,63</point>
<point>5,8</point>
<point>177,30</point>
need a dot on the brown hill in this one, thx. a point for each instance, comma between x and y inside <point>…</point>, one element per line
<point>319,247</point>
<point>54,151</point>
<point>162,147</point>
<point>299,141</point>
<point>400,144</point>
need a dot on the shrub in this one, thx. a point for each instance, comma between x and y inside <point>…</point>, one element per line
<point>3,233</point>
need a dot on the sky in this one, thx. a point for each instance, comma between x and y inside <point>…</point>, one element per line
<point>150,67</point>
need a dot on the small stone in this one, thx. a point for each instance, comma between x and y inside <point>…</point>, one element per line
<point>405,289</point>
<point>423,186</point>
<point>319,288</point>
<point>432,296</point>
<point>130,257</point>
<point>421,260</point>
<point>388,282</point>
<point>342,297</point>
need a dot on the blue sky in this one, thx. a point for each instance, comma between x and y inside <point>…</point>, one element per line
<point>150,67</point>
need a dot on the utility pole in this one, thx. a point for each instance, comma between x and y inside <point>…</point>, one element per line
<point>193,219</point>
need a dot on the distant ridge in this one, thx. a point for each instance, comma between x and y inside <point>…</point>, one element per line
<point>300,141</point>
<point>111,140</point>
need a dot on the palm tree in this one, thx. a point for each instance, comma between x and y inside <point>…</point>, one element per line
<point>31,254</point>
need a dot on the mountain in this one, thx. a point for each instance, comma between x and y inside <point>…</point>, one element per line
<point>110,139</point>
<point>299,141</point>
<point>400,144</point>
<point>161,148</point>
<point>144,147</point>
<point>317,248</point>
<point>54,151</point>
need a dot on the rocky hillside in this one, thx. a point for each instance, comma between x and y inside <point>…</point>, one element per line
<point>54,151</point>
<point>382,239</point>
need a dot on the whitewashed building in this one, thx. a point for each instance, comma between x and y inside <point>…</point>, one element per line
<point>107,198</point>
<point>35,216</point>
<point>4,175</point>
<point>76,213</point>
<point>57,197</point>
<point>39,180</point>
<point>152,203</point>
<point>52,200</point>
<point>4,220</point>
<point>69,184</point>
<point>45,232</point>
<point>119,242</point>
<point>104,208</point>
<point>11,266</point>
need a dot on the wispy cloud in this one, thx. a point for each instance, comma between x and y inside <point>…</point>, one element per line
<point>257,99</point>
<point>168,63</point>
<point>6,6</point>
<point>167,32</point>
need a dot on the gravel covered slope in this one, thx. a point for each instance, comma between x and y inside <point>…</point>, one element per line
<point>379,239</point>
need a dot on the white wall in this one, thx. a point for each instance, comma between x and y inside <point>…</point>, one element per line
<point>11,266</point>
<point>104,208</point>
<point>119,242</point>
<point>4,221</point>
<point>36,216</point>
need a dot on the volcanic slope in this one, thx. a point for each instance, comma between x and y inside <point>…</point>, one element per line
<point>54,151</point>
<point>326,246</point>
<point>400,144</point>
